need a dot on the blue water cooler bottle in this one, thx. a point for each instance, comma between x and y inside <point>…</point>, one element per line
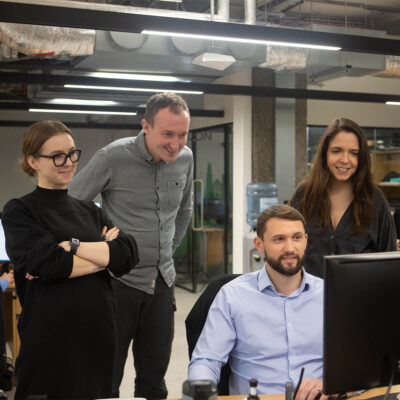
<point>259,196</point>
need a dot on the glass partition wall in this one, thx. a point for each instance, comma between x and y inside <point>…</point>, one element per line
<point>206,250</point>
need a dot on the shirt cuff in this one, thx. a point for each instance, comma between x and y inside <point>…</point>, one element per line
<point>201,371</point>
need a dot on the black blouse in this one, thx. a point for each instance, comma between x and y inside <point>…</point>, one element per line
<point>380,236</point>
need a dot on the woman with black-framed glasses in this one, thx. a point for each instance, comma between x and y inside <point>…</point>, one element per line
<point>61,249</point>
<point>60,159</point>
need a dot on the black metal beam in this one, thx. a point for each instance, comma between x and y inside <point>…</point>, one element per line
<point>210,88</point>
<point>37,14</point>
<point>80,125</point>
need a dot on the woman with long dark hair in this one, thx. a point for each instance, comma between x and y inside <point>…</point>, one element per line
<point>344,210</point>
<point>62,249</point>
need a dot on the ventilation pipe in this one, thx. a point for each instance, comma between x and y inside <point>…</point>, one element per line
<point>223,10</point>
<point>250,12</point>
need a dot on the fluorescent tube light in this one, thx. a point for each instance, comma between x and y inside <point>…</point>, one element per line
<point>82,102</point>
<point>131,89</point>
<point>136,77</point>
<point>393,103</point>
<point>240,40</point>
<point>49,110</point>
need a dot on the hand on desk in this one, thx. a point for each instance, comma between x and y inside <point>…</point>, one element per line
<point>311,389</point>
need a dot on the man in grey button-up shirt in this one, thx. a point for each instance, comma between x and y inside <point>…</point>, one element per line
<point>146,188</point>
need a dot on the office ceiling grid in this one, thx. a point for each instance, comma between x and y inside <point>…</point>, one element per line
<point>370,26</point>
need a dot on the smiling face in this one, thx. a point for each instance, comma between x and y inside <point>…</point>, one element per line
<point>167,136</point>
<point>342,156</point>
<point>284,243</point>
<point>50,176</point>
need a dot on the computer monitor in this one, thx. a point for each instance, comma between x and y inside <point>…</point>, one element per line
<point>3,254</point>
<point>361,321</point>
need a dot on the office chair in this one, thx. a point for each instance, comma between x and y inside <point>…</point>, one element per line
<point>196,319</point>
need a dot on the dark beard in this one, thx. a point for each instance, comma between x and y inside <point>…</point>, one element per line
<point>276,265</point>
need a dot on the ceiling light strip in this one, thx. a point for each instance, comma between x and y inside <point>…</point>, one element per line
<point>82,102</point>
<point>130,89</point>
<point>240,40</point>
<point>137,77</point>
<point>393,103</point>
<point>49,110</point>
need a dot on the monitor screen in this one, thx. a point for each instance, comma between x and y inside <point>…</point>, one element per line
<point>3,254</point>
<point>361,321</point>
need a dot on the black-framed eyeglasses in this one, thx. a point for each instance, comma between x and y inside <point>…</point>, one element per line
<point>60,159</point>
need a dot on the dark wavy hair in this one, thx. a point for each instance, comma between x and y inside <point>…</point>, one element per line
<point>314,187</point>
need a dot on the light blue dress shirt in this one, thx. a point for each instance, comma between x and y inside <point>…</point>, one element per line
<point>4,283</point>
<point>263,334</point>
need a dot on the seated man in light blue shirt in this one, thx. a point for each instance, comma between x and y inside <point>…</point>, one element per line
<point>267,324</point>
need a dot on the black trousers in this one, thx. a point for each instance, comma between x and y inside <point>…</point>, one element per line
<point>148,320</point>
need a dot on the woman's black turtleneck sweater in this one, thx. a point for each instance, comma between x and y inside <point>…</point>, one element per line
<point>67,326</point>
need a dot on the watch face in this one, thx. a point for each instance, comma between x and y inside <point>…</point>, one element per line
<point>75,241</point>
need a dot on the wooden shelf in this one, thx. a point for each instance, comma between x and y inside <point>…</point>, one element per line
<point>385,152</point>
<point>389,184</point>
<point>384,162</point>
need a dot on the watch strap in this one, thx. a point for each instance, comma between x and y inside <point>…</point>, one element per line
<point>74,243</point>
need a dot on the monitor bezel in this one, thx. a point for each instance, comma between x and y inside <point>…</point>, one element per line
<point>344,375</point>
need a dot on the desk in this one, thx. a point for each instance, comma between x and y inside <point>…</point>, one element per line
<point>12,311</point>
<point>366,395</point>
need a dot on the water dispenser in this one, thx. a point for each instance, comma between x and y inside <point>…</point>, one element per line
<point>259,196</point>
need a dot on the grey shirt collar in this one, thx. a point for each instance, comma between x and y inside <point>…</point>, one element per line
<point>143,150</point>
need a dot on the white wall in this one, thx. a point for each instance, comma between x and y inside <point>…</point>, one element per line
<point>237,110</point>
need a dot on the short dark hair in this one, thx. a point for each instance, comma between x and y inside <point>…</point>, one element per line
<point>35,137</point>
<point>157,102</point>
<point>277,211</point>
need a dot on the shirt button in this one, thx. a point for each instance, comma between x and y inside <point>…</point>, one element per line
<point>160,227</point>
<point>289,324</point>
<point>158,208</point>
<point>291,373</point>
<point>157,187</point>
<point>332,237</point>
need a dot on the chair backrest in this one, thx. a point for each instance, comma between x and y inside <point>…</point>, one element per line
<point>197,318</point>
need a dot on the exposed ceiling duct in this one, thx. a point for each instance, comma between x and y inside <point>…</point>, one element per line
<point>392,68</point>
<point>47,40</point>
<point>286,58</point>
<point>129,51</point>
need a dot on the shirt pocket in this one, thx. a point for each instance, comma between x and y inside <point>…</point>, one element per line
<point>175,192</point>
